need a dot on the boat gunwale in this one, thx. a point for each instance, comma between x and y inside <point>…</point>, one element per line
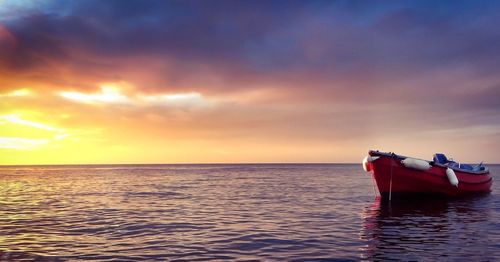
<point>432,163</point>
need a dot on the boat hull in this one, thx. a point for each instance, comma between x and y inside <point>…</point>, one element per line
<point>392,177</point>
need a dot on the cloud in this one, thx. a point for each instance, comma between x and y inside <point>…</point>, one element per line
<point>112,94</point>
<point>234,45</point>
<point>14,126</point>
<point>108,95</point>
<point>263,68</point>
<point>190,100</point>
<point>14,119</point>
<point>331,47</point>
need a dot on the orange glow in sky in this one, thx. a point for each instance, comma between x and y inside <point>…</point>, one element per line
<point>246,85</point>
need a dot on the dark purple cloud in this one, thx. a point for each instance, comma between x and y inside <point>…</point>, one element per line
<point>427,53</point>
<point>270,35</point>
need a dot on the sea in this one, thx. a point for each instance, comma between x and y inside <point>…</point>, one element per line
<point>233,212</point>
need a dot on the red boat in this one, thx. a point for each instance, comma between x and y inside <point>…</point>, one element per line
<point>401,175</point>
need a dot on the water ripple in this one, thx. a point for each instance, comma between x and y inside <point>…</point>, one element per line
<point>232,212</point>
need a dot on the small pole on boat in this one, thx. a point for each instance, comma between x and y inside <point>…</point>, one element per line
<point>373,185</point>
<point>390,185</point>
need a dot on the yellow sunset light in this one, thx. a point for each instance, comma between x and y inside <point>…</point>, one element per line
<point>20,143</point>
<point>17,120</point>
<point>21,134</point>
<point>17,93</point>
<point>108,94</point>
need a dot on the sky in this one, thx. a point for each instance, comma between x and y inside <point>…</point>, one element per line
<point>96,82</point>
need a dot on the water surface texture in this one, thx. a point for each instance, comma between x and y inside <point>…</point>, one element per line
<point>234,212</point>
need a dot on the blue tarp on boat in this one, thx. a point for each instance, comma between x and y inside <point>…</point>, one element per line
<point>440,158</point>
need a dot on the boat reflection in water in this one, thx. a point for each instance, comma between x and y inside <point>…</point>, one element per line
<point>429,229</point>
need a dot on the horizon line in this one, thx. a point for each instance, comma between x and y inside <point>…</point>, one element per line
<point>220,163</point>
<point>192,163</point>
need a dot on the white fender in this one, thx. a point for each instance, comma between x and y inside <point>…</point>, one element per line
<point>416,163</point>
<point>367,166</point>
<point>452,177</point>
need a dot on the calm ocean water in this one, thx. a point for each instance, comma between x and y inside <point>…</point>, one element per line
<point>234,212</point>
